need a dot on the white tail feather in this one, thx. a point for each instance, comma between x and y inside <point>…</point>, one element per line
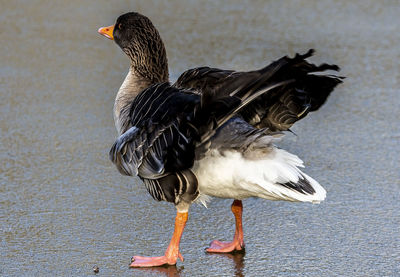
<point>231,175</point>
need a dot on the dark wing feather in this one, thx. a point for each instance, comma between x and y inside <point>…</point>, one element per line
<point>279,109</point>
<point>168,124</point>
<point>174,187</point>
<point>159,147</point>
<point>122,153</point>
<point>302,186</point>
<point>159,140</point>
<point>214,83</point>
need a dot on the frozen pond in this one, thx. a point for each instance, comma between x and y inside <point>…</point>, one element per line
<point>64,207</point>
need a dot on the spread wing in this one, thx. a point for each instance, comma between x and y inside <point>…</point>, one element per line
<point>279,109</point>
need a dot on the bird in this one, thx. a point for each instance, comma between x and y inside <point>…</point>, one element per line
<point>213,132</point>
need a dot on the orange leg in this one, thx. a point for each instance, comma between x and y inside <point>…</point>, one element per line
<point>172,253</point>
<point>237,243</point>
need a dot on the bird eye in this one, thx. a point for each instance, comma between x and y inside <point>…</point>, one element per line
<point>119,26</point>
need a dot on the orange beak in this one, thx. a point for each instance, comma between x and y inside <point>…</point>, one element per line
<point>107,32</point>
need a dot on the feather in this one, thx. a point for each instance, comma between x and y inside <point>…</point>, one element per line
<point>277,111</point>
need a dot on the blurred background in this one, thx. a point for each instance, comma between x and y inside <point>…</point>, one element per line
<point>64,207</point>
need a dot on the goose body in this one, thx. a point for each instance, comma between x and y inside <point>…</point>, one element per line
<point>212,133</point>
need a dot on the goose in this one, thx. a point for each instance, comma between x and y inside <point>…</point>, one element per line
<point>212,133</point>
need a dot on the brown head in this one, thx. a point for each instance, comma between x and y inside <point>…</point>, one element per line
<point>140,40</point>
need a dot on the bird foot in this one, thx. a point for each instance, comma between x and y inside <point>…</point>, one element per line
<point>138,261</point>
<point>217,246</point>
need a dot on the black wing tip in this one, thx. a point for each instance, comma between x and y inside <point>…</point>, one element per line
<point>302,57</point>
<point>308,54</point>
<point>312,68</point>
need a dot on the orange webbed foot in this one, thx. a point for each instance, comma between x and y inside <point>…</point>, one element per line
<point>139,261</point>
<point>217,246</point>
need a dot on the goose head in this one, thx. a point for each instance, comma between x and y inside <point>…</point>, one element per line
<point>136,35</point>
